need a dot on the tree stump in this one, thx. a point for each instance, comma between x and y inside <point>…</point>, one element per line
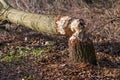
<point>81,48</point>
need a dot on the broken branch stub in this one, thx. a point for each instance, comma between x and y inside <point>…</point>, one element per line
<point>81,48</point>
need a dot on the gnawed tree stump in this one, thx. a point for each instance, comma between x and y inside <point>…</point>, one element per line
<point>80,47</point>
<point>82,51</point>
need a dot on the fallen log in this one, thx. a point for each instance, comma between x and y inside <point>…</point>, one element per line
<point>80,46</point>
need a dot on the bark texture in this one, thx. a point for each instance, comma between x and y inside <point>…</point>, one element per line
<point>41,23</point>
<point>81,47</point>
<point>46,24</point>
<point>82,51</point>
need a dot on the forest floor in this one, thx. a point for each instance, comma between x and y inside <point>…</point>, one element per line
<point>29,55</point>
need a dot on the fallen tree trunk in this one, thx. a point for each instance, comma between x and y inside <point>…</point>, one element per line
<point>47,24</point>
<point>81,48</point>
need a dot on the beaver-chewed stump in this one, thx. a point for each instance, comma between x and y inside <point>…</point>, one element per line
<point>81,50</point>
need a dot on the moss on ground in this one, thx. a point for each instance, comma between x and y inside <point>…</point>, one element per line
<point>21,52</point>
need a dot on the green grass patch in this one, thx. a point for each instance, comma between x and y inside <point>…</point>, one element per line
<point>21,52</point>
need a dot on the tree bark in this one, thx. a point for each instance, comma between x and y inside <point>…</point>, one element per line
<point>82,51</point>
<point>81,48</point>
<point>46,24</point>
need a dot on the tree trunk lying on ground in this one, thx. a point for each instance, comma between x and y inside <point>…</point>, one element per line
<point>80,47</point>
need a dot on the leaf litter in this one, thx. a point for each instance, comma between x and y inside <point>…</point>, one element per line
<point>28,55</point>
